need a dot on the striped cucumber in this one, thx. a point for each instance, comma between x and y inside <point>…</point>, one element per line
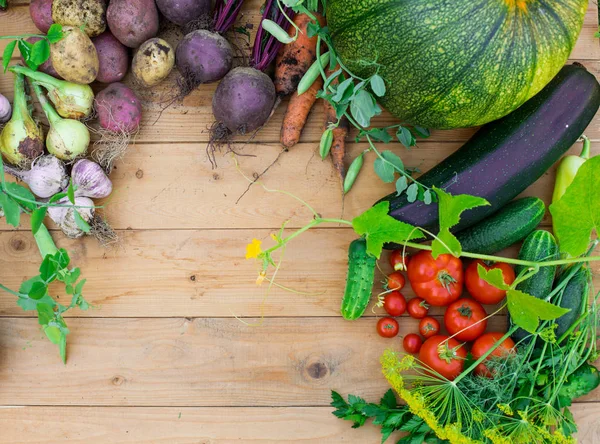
<point>507,226</point>
<point>538,247</point>
<point>359,283</point>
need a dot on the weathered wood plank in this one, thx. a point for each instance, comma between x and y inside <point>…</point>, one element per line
<point>191,425</point>
<point>196,362</point>
<point>197,273</point>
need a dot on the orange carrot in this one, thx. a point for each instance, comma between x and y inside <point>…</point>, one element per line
<point>338,147</point>
<point>297,113</point>
<point>294,59</point>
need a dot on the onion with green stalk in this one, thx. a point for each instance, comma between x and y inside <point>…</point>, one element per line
<point>67,139</point>
<point>22,139</point>
<point>72,100</point>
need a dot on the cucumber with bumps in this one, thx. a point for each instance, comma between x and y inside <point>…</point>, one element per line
<point>359,283</point>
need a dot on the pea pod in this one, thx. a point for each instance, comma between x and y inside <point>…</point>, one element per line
<point>326,142</point>
<point>277,31</point>
<point>353,171</point>
<point>313,72</point>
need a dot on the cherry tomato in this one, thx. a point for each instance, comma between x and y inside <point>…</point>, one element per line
<point>480,289</point>
<point>443,355</point>
<point>396,261</point>
<point>387,327</point>
<point>412,343</point>
<point>464,319</point>
<point>484,343</point>
<point>394,303</point>
<point>417,308</point>
<point>438,281</point>
<point>429,327</point>
<point>395,281</point>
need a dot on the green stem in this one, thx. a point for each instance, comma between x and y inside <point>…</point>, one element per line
<point>50,112</point>
<point>485,355</point>
<point>585,152</point>
<point>20,105</point>
<point>47,81</point>
<point>8,290</point>
<point>512,261</point>
<point>19,37</point>
<point>45,242</point>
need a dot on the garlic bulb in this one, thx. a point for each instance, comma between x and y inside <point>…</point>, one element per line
<point>64,216</point>
<point>46,177</point>
<point>90,179</point>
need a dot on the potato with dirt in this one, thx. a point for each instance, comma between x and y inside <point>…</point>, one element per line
<point>74,57</point>
<point>132,22</point>
<point>88,14</point>
<point>113,57</point>
<point>153,62</point>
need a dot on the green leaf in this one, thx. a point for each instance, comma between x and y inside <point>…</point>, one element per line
<point>378,134</point>
<point>331,77</point>
<point>405,137</point>
<point>384,170</point>
<point>344,91</point>
<point>12,211</point>
<point>7,54</point>
<point>427,197</point>
<point>412,192</point>
<point>26,48</point>
<point>62,258</point>
<point>40,52</point>
<point>421,132</point>
<point>450,210</point>
<point>55,33</point>
<point>579,383</point>
<point>364,107</point>
<point>38,290</point>
<point>37,218</point>
<point>526,311</point>
<point>22,195</point>
<point>389,399</point>
<point>378,85</point>
<point>45,313</point>
<point>53,333</point>
<point>71,192</point>
<point>81,223</point>
<point>57,197</point>
<point>3,3</point>
<point>577,213</point>
<point>378,228</point>
<point>72,276</point>
<point>48,269</point>
<point>494,277</point>
<point>326,142</point>
<point>401,185</point>
<point>79,286</point>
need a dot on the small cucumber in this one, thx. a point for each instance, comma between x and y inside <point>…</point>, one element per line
<point>573,296</point>
<point>507,226</point>
<point>359,283</point>
<point>538,247</point>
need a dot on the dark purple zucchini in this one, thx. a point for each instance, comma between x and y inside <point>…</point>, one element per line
<point>506,156</point>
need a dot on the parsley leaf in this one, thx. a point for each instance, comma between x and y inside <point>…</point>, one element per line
<point>378,228</point>
<point>576,214</point>
<point>450,209</point>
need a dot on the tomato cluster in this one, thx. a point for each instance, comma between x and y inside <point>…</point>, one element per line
<point>440,282</point>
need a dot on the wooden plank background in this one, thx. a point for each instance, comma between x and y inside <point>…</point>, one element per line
<point>181,346</point>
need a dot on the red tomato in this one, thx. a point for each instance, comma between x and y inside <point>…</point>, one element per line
<point>484,343</point>
<point>395,281</point>
<point>438,281</point>
<point>396,261</point>
<point>412,343</point>
<point>480,289</point>
<point>429,327</point>
<point>387,327</point>
<point>417,308</point>
<point>443,355</point>
<point>464,319</point>
<point>394,303</point>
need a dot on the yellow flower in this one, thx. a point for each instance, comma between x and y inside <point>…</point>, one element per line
<point>253,249</point>
<point>261,277</point>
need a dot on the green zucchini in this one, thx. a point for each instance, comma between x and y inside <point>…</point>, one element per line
<point>538,247</point>
<point>504,228</point>
<point>572,297</point>
<point>359,283</point>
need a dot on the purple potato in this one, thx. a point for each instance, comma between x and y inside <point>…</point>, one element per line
<point>244,100</point>
<point>113,57</point>
<point>118,109</point>
<point>132,22</point>
<point>41,14</point>
<point>182,12</point>
<point>204,57</point>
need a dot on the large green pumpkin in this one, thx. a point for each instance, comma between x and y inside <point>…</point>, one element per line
<point>456,63</point>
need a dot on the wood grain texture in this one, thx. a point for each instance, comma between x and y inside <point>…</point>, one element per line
<point>193,425</point>
<point>200,362</point>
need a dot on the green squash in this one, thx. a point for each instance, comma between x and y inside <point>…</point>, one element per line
<point>456,63</point>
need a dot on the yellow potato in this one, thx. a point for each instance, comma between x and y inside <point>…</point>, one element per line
<point>74,57</point>
<point>91,14</point>
<point>153,62</point>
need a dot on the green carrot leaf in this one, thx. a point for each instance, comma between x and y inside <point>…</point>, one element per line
<point>451,208</point>
<point>7,54</point>
<point>378,228</point>
<point>12,211</point>
<point>37,218</point>
<point>526,311</point>
<point>55,33</point>
<point>577,213</point>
